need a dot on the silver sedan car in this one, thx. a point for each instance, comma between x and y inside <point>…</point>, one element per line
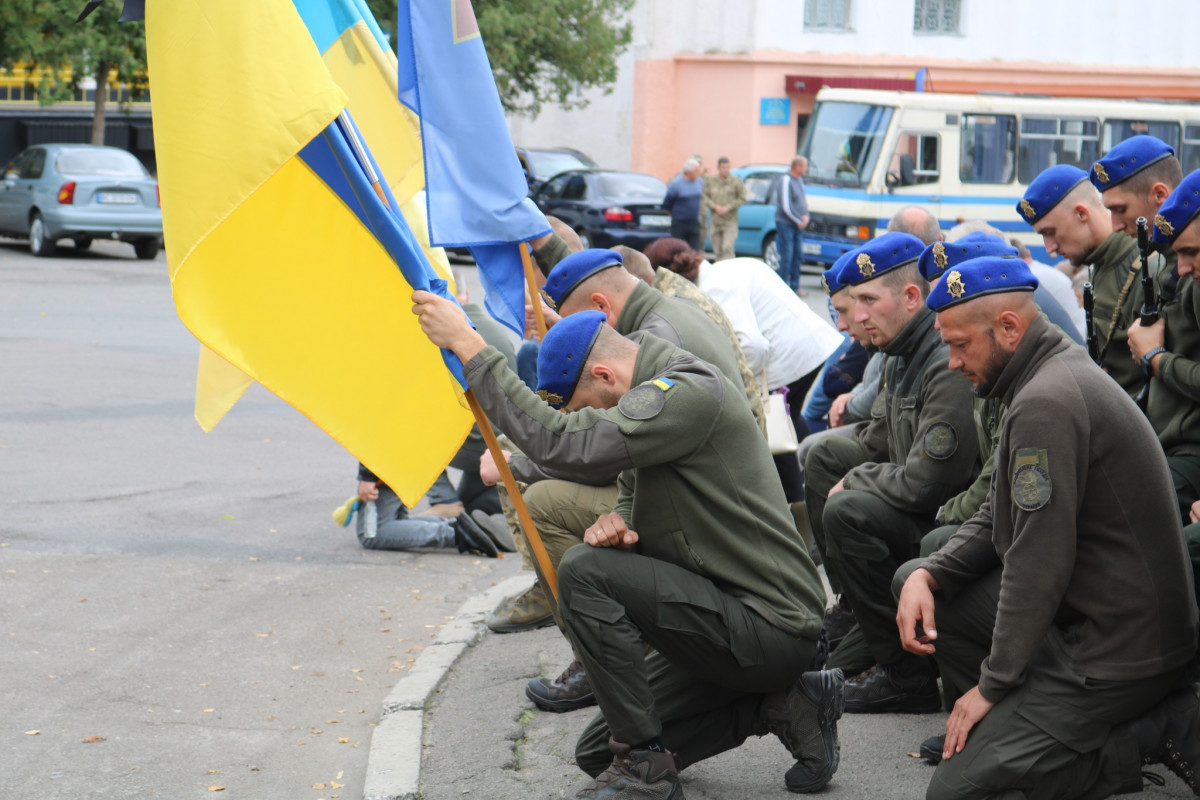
<point>80,192</point>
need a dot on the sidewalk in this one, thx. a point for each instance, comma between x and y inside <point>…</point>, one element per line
<point>483,738</point>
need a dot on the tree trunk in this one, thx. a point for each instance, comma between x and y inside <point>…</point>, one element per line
<point>101,98</point>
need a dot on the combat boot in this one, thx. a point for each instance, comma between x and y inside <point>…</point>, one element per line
<point>838,621</point>
<point>1169,734</point>
<point>890,688</point>
<point>527,611</point>
<point>567,692</point>
<point>805,720</point>
<point>641,774</point>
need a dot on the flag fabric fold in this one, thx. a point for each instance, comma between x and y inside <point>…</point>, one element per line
<point>476,192</point>
<point>280,264</point>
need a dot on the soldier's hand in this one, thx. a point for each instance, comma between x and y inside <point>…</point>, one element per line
<point>969,709</point>
<point>837,487</point>
<point>489,473</point>
<point>914,608</point>
<point>531,321</point>
<point>1143,340</point>
<point>1194,513</point>
<point>838,408</point>
<point>610,530</point>
<point>368,491</point>
<point>446,325</point>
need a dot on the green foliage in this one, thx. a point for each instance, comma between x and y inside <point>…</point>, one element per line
<point>43,33</point>
<point>545,51</point>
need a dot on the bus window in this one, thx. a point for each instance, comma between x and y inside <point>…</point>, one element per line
<point>1189,154</point>
<point>988,142</point>
<point>1118,130</point>
<point>915,160</point>
<point>1048,141</point>
<point>843,141</point>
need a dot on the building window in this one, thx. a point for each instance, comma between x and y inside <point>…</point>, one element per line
<point>936,16</point>
<point>827,14</point>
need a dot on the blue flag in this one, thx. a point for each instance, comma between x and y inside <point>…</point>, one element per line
<point>475,189</point>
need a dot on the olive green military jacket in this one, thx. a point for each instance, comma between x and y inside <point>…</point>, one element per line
<point>697,482</point>
<point>1173,403</point>
<point>1083,521</point>
<point>728,192</point>
<point>920,443</point>
<point>961,507</point>
<point>675,285</point>
<point>677,321</point>
<point>1118,293</point>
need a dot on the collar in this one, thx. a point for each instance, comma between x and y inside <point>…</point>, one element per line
<point>1113,250</point>
<point>1041,341</point>
<point>641,301</point>
<point>912,335</point>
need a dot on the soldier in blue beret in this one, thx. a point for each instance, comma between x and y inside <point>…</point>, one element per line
<point>871,498</point>
<point>559,501</point>
<point>1134,178</point>
<point>1065,209</point>
<point>1032,607</point>
<point>1169,352</point>
<point>699,558</point>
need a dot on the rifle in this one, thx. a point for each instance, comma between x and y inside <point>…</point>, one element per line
<point>1150,307</point>
<point>1089,321</point>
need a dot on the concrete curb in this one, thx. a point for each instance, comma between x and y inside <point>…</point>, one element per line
<point>394,761</point>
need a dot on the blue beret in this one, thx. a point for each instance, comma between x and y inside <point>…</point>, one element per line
<point>977,277</point>
<point>887,252</point>
<point>563,353</point>
<point>1178,210</point>
<point>1128,159</point>
<point>829,278</point>
<point>941,256</point>
<point>1047,190</point>
<point>574,270</point>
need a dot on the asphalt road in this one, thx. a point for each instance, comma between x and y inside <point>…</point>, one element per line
<point>179,612</point>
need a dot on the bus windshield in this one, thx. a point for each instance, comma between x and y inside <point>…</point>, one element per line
<point>843,142</point>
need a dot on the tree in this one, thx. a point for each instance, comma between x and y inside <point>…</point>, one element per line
<point>43,33</point>
<point>545,50</point>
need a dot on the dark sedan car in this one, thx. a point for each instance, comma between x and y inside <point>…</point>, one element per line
<point>542,163</point>
<point>80,192</point>
<point>607,207</point>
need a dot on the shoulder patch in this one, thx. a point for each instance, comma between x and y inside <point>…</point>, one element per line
<point>646,400</point>
<point>941,441</point>
<point>1031,487</point>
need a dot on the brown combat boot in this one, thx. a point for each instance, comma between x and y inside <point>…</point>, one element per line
<point>641,774</point>
<point>527,611</point>
<point>567,692</point>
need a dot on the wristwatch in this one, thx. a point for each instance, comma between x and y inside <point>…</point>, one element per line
<point>1149,357</point>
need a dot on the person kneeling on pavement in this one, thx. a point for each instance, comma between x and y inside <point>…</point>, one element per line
<point>1063,609</point>
<point>700,560</point>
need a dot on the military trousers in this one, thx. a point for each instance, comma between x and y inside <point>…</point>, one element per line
<point>714,659</point>
<point>827,462</point>
<point>866,542</point>
<point>722,234</point>
<point>1057,735</point>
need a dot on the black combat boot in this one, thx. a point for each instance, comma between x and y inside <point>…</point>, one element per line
<point>805,720</point>
<point>1169,734</point>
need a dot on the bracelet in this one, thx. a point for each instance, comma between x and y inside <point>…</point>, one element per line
<point>1149,357</point>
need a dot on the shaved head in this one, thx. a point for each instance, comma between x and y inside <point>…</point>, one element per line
<point>636,264</point>
<point>984,333</point>
<point>566,233</point>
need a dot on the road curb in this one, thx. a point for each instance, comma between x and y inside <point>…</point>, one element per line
<point>394,760</point>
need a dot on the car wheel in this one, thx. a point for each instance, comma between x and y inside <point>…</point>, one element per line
<point>83,243</point>
<point>770,253</point>
<point>39,244</point>
<point>585,239</point>
<point>146,249</point>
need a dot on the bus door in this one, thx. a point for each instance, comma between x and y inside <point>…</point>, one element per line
<point>914,174</point>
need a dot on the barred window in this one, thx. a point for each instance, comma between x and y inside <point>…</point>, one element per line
<point>936,16</point>
<point>827,14</point>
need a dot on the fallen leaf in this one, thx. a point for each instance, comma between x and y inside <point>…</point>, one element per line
<point>33,733</point>
<point>318,786</point>
<point>332,721</point>
<point>255,558</point>
<point>336,785</point>
<point>356,670</point>
<point>342,741</point>
<point>262,635</point>
<point>212,772</point>
<point>216,788</point>
<point>913,755</point>
<point>83,599</point>
<point>91,739</point>
<point>209,710</point>
<point>225,516</point>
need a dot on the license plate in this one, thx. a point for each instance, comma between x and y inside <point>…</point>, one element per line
<point>117,198</point>
<point>810,249</point>
<point>656,221</point>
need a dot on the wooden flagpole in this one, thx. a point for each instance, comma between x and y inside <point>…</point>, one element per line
<point>535,298</point>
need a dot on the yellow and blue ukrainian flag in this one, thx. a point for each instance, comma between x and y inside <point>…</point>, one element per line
<point>283,259</point>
